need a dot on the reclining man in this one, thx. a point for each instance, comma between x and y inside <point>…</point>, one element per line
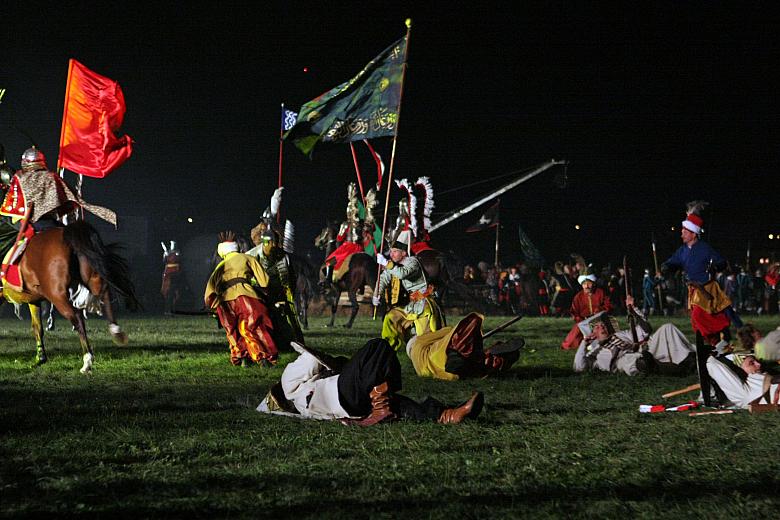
<point>452,353</point>
<point>743,380</point>
<point>665,351</point>
<point>362,390</point>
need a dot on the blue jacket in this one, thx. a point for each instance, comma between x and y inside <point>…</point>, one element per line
<point>695,261</point>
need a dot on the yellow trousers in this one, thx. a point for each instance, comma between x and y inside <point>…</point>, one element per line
<point>397,325</point>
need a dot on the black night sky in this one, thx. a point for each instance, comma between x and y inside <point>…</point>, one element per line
<point>653,105</point>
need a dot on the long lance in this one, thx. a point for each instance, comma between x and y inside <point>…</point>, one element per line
<point>501,327</point>
<point>408,23</point>
<point>494,194</point>
<point>655,263</point>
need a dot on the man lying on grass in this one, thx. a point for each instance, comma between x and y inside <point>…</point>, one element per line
<point>665,351</point>
<point>452,353</point>
<point>743,380</point>
<point>362,390</point>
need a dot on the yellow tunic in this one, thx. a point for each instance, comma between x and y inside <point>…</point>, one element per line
<point>235,265</point>
<point>428,353</point>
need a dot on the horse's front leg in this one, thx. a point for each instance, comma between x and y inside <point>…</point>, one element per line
<point>355,306</point>
<point>334,306</point>
<point>37,330</point>
<point>118,336</point>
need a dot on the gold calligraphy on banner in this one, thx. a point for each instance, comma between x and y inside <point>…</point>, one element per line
<point>353,129</point>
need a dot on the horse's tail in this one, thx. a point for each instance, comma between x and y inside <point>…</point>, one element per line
<point>85,241</point>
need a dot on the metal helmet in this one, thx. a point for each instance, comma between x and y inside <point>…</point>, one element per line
<point>6,173</point>
<point>32,160</point>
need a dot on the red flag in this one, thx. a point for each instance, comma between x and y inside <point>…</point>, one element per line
<point>488,220</point>
<point>94,110</point>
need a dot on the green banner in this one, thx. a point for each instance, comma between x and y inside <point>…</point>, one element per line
<point>364,107</point>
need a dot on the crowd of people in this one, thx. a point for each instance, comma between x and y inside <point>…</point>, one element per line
<point>549,291</point>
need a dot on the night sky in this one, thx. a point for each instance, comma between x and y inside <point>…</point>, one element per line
<point>653,106</point>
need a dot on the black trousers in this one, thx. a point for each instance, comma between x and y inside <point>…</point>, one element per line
<point>375,363</point>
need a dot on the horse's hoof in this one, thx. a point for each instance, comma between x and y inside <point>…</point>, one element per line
<point>121,339</point>
<point>40,360</point>
<point>347,325</point>
<point>87,367</point>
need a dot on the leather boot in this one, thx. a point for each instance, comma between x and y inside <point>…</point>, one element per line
<point>470,409</point>
<point>380,403</point>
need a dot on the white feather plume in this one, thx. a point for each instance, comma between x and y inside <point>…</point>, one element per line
<point>696,207</point>
<point>425,182</point>
<point>404,183</point>
<point>288,243</point>
<point>276,201</point>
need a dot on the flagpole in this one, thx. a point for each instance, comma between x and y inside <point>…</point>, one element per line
<point>281,146</point>
<point>408,23</point>
<point>395,138</point>
<point>357,172</point>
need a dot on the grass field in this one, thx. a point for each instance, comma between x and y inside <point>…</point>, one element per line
<point>166,427</point>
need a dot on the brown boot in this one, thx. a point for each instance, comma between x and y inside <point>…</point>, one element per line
<point>470,409</point>
<point>380,403</point>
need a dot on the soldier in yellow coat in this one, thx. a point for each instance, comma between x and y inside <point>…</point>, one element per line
<point>233,293</point>
<point>452,353</point>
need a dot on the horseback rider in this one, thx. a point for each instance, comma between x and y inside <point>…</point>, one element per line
<point>38,198</point>
<point>44,194</point>
<point>350,237</point>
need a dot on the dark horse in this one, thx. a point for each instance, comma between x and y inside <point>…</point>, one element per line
<point>60,258</point>
<point>306,288</point>
<point>363,271</point>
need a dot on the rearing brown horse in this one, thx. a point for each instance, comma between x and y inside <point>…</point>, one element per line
<point>60,258</point>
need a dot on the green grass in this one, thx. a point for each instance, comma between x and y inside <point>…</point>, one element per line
<point>166,427</point>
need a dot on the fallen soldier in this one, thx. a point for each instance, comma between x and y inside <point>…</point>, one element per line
<point>361,391</point>
<point>452,353</point>
<point>666,351</point>
<point>743,381</point>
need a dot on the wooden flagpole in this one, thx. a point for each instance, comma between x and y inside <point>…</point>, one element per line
<point>281,147</point>
<point>357,172</point>
<point>389,183</point>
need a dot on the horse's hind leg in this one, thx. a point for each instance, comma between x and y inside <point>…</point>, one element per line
<point>37,330</point>
<point>117,334</point>
<point>65,308</point>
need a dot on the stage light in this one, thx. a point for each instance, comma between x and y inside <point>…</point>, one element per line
<point>672,228</point>
<point>771,236</point>
<point>576,226</point>
<point>189,219</point>
<point>306,69</point>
